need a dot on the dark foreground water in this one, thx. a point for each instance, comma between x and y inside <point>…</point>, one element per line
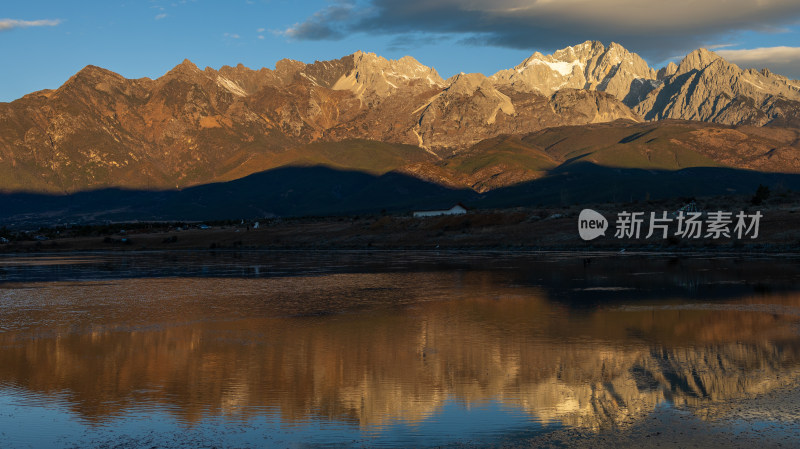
<point>394,349</point>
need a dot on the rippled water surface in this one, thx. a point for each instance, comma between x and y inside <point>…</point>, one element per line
<point>394,349</point>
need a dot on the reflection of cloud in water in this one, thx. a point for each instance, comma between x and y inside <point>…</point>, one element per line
<point>247,346</point>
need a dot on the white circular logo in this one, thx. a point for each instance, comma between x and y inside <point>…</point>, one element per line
<point>591,224</point>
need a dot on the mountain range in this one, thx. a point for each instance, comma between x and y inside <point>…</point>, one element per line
<point>586,103</point>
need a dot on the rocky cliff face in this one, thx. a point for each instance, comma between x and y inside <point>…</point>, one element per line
<point>706,87</point>
<point>473,108</point>
<point>589,66</point>
<point>194,126</point>
<point>702,87</point>
<point>374,75</point>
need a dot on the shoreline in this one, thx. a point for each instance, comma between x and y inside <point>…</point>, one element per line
<point>537,229</point>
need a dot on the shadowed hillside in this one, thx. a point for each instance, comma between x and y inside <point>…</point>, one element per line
<point>287,191</point>
<point>320,191</point>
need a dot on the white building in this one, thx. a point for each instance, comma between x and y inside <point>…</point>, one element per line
<point>458,209</point>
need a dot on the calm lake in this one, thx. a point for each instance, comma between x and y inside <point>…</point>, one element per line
<point>391,349</point>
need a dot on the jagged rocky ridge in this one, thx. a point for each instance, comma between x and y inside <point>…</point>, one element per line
<point>195,126</point>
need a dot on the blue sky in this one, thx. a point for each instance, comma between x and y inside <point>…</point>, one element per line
<point>46,42</point>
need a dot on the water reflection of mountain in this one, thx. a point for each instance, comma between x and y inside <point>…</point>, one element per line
<point>425,338</point>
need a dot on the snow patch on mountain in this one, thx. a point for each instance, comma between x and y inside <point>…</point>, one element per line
<point>231,86</point>
<point>562,67</point>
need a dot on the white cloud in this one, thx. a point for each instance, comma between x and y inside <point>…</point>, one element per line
<point>718,46</point>
<point>781,60</point>
<point>9,24</point>
<point>161,16</point>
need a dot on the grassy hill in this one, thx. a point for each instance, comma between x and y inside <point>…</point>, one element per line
<point>667,145</point>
